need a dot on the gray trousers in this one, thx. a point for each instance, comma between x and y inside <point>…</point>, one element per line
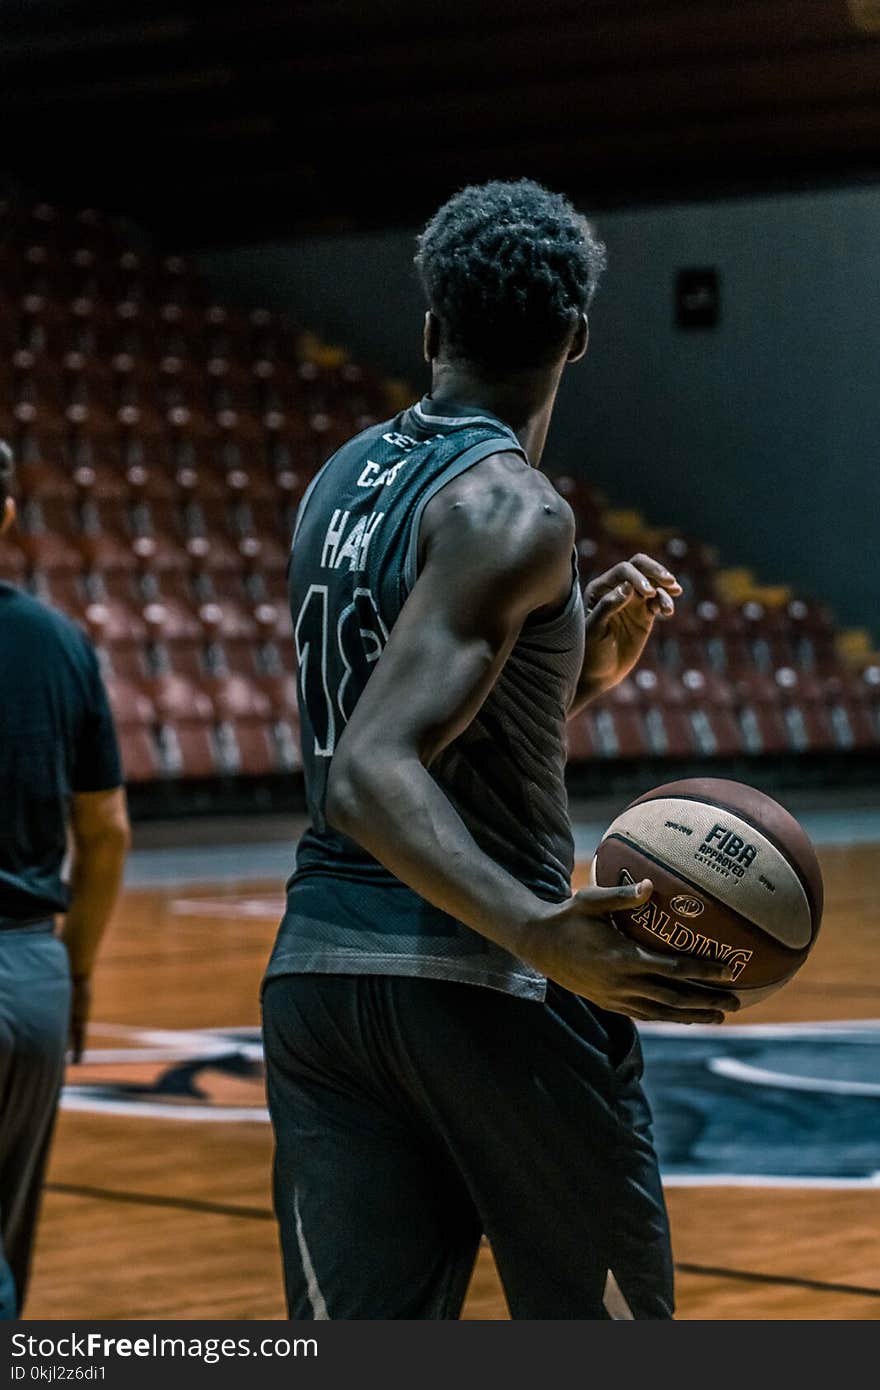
<point>34,1020</point>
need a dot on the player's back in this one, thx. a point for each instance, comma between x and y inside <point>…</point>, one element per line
<point>354,561</point>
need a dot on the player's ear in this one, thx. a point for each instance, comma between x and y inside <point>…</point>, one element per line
<point>580,340</point>
<point>431,336</point>
<point>8,515</point>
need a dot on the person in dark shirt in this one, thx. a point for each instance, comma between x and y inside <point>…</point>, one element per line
<point>60,777</point>
<point>448,1029</point>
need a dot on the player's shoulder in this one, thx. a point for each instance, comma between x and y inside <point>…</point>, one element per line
<point>504,497</point>
<point>25,614</point>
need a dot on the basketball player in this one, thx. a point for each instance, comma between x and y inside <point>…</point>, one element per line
<point>448,1031</point>
<point>59,770</point>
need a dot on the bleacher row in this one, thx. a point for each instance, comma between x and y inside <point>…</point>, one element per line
<point>163,442</point>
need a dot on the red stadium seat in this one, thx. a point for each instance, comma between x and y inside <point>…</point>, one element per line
<point>178,699</point>
<point>854,725</point>
<point>162,553</point>
<point>107,551</point>
<point>213,552</point>
<point>128,662</point>
<point>288,742</point>
<point>69,592</point>
<point>809,728</point>
<point>264,554</point>
<point>50,551</point>
<point>669,731</point>
<point>578,738</point>
<point>255,750</point>
<point>96,472</point>
<point>183,658</point>
<point>237,697</point>
<point>617,731</point>
<point>44,477</point>
<point>140,754</point>
<point>130,705</point>
<point>189,751</point>
<point>172,621</point>
<point>703,687</point>
<point>13,561</point>
<point>113,623</point>
<point>280,690</point>
<point>763,729</point>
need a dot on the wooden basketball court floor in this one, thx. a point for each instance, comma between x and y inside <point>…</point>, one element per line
<point>158,1198</point>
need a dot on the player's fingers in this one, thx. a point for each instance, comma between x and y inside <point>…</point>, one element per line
<point>653,1012</point>
<point>610,603</point>
<point>710,972</point>
<point>603,583</point>
<point>662,606</point>
<point>657,573</point>
<point>662,603</point>
<point>624,572</point>
<point>598,902</point>
<point>687,996</point>
<point>642,584</point>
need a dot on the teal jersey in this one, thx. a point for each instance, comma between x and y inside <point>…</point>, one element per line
<point>353,563</point>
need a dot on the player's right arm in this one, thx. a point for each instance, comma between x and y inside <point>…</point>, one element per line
<point>496,547</point>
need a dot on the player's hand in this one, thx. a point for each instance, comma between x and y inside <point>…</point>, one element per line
<point>80,1008</point>
<point>575,944</point>
<point>621,606</point>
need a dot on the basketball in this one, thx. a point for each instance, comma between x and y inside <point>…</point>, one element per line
<point>736,879</point>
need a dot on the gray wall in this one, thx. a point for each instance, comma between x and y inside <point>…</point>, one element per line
<point>761,437</point>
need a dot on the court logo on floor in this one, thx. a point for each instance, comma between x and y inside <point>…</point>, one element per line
<point>768,1104</point>
<point>210,1074</point>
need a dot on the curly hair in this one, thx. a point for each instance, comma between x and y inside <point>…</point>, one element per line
<point>508,268</point>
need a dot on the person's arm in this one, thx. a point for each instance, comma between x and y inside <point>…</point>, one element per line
<point>101,836</point>
<point>99,833</point>
<point>496,552</point>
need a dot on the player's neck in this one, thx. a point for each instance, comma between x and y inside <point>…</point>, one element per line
<point>523,400</point>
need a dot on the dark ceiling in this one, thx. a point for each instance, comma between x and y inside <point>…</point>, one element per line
<point>221,123</point>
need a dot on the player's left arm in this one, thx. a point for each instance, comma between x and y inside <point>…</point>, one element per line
<point>621,607</point>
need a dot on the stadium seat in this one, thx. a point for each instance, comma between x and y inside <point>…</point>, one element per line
<point>189,750</point>
<point>171,621</point>
<point>13,561</point>
<point>178,699</point>
<point>113,623</point>
<point>236,697</point>
<point>130,704</point>
<point>256,751</point>
<point>617,731</point>
<point>140,754</point>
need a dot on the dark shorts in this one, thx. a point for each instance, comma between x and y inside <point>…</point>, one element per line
<point>413,1116</point>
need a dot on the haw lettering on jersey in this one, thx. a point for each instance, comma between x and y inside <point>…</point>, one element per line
<point>348,542</point>
<point>340,635</point>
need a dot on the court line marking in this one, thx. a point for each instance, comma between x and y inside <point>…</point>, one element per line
<point>735,1070</point>
<point>175,1045</point>
<point>752,1277</point>
<point>150,1199</point>
<point>871,1182</point>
